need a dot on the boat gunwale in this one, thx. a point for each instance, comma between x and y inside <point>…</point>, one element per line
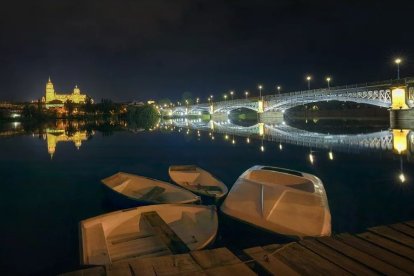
<point>190,200</point>
<point>224,188</point>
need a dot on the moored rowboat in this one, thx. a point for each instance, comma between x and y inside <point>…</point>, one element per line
<point>282,201</point>
<point>153,230</point>
<point>139,190</point>
<point>197,180</point>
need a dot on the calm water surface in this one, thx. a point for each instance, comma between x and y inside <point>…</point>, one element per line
<point>43,198</point>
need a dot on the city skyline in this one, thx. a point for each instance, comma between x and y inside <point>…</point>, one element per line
<point>161,49</point>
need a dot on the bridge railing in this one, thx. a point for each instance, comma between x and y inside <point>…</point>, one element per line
<point>389,82</point>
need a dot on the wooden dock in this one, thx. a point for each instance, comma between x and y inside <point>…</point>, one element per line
<point>380,250</point>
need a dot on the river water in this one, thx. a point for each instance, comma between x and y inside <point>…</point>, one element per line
<point>50,176</point>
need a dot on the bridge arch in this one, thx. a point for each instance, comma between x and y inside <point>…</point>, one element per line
<point>380,98</point>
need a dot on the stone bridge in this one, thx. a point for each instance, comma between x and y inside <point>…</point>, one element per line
<point>394,94</point>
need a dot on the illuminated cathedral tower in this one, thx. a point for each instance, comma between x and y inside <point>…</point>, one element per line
<point>50,91</point>
<point>52,98</point>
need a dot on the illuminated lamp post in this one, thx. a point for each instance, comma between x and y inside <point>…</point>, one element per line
<point>246,93</point>
<point>308,78</point>
<point>328,79</point>
<point>398,61</point>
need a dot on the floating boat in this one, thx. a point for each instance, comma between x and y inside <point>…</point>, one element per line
<point>279,200</point>
<point>152,230</point>
<point>131,190</point>
<point>197,180</point>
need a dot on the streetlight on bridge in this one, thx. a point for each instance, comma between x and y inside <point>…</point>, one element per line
<point>231,93</point>
<point>225,97</point>
<point>328,79</point>
<point>398,61</point>
<point>278,89</point>
<point>211,98</point>
<point>246,93</point>
<point>197,100</point>
<point>260,91</point>
<point>308,78</point>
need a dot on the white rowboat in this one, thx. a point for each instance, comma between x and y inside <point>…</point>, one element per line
<point>134,233</point>
<point>283,201</point>
<point>143,190</point>
<point>197,180</point>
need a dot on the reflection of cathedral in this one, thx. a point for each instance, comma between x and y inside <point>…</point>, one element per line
<point>53,99</point>
<point>54,136</point>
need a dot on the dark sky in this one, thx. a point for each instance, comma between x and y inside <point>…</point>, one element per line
<point>128,50</point>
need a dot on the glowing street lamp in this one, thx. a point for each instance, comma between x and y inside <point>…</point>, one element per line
<point>246,93</point>
<point>225,97</point>
<point>260,91</point>
<point>278,89</point>
<point>197,100</point>
<point>231,93</point>
<point>328,79</point>
<point>308,78</point>
<point>398,61</point>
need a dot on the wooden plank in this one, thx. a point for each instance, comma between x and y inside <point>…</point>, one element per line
<point>409,231</point>
<point>92,271</point>
<point>118,269</point>
<point>392,234</point>
<point>163,230</point>
<point>336,258</point>
<point>306,262</point>
<point>410,223</point>
<point>152,194</point>
<point>181,264</point>
<point>390,245</point>
<point>234,269</point>
<point>379,253</point>
<point>361,257</point>
<point>272,247</point>
<point>269,263</point>
<point>215,257</point>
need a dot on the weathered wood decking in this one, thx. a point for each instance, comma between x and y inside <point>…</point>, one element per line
<point>380,250</point>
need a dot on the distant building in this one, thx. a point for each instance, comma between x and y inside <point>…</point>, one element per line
<point>53,99</point>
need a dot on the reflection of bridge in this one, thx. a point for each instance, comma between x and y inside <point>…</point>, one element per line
<point>281,133</point>
<point>397,94</point>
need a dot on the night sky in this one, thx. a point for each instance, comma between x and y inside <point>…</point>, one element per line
<point>135,50</point>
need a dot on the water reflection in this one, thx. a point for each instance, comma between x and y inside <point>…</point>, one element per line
<point>54,136</point>
<point>400,141</point>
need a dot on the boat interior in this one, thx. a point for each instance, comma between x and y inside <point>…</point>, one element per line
<point>147,189</point>
<point>284,177</point>
<point>128,234</point>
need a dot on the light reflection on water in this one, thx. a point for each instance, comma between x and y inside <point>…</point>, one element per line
<point>368,176</point>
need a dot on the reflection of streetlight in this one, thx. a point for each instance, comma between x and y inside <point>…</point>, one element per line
<point>308,78</point>
<point>328,79</point>
<point>280,146</point>
<point>331,156</point>
<point>260,91</point>
<point>246,93</point>
<point>226,137</point>
<point>262,149</point>
<point>197,100</point>
<point>247,140</point>
<point>398,61</point>
<point>401,176</point>
<point>311,159</point>
<point>231,93</point>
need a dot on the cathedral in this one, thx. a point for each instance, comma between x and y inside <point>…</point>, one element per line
<point>53,99</point>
